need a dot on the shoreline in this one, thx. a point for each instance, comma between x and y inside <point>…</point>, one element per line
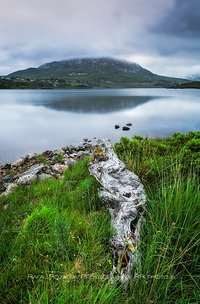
<point>40,166</point>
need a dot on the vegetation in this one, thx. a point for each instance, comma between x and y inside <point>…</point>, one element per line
<point>55,234</point>
<point>188,85</point>
<point>88,73</point>
<point>51,83</point>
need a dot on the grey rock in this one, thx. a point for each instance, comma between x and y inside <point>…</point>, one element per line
<point>58,168</point>
<point>73,155</point>
<point>81,154</point>
<point>60,151</point>
<point>30,175</point>
<point>5,167</point>
<point>129,124</point>
<point>125,128</point>
<point>10,188</point>
<point>31,155</point>
<point>70,162</point>
<point>48,153</point>
<point>88,146</point>
<point>19,162</point>
<point>7,179</point>
<point>65,149</point>
<point>117,126</point>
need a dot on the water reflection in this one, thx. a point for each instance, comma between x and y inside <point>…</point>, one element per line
<point>32,121</point>
<point>96,104</point>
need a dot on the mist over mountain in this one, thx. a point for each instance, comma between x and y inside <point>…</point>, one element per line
<point>96,72</point>
<point>195,77</point>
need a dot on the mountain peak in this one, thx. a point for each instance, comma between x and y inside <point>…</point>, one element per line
<point>97,72</point>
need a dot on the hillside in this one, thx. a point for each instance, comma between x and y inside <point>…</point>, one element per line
<point>93,72</point>
<point>188,85</point>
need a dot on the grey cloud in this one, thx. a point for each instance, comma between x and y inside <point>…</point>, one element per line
<point>182,20</point>
<point>35,32</point>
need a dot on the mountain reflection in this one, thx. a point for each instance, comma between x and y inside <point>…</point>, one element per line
<point>95,104</point>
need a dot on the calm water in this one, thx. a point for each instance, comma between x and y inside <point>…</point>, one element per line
<point>37,120</point>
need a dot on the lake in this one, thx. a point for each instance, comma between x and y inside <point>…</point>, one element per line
<point>37,120</point>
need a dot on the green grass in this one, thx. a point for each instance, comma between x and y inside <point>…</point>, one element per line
<point>170,245</point>
<point>50,229</point>
<point>55,247</point>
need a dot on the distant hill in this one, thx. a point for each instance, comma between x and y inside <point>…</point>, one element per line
<point>189,85</point>
<point>93,72</point>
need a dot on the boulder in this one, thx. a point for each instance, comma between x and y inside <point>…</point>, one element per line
<point>125,128</point>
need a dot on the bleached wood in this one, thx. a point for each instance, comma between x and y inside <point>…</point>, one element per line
<point>124,194</point>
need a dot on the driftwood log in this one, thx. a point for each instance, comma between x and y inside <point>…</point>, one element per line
<point>124,194</point>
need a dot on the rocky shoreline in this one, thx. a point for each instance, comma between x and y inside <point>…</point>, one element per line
<point>33,167</point>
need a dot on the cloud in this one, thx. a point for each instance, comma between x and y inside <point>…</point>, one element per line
<point>35,32</point>
<point>183,20</point>
<point>178,33</point>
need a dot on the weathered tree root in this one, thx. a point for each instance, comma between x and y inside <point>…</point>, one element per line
<point>124,194</point>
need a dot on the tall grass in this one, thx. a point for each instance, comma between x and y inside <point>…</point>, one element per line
<point>170,247</point>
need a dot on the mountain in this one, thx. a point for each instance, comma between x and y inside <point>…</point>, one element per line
<point>94,72</point>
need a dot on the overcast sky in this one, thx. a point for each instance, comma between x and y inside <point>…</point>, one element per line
<point>160,35</point>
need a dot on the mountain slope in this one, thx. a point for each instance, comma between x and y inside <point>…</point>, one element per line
<point>97,72</point>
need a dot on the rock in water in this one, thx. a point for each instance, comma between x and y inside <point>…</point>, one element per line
<point>124,194</point>
<point>129,124</point>
<point>125,128</point>
<point>117,126</point>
